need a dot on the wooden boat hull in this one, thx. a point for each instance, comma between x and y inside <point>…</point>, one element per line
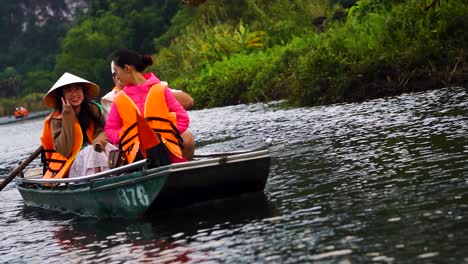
<point>146,191</point>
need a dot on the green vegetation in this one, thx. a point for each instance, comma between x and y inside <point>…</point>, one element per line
<point>381,48</point>
<point>83,48</point>
<point>306,51</point>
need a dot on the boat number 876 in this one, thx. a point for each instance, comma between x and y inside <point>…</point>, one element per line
<point>134,196</point>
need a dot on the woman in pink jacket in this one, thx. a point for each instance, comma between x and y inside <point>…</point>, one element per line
<point>129,67</point>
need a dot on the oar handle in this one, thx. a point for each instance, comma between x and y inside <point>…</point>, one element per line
<point>20,167</point>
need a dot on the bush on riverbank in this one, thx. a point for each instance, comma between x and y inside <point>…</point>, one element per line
<point>383,51</point>
<point>382,48</point>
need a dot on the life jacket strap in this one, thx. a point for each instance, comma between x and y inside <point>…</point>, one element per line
<point>125,133</point>
<point>174,131</point>
<point>125,141</point>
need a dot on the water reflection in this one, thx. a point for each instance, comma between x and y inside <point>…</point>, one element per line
<point>166,237</point>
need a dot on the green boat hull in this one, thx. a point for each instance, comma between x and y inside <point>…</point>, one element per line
<point>127,195</point>
<point>143,192</point>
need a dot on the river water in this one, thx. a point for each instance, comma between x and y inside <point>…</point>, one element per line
<point>383,181</point>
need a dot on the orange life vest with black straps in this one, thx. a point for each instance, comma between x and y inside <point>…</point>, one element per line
<point>158,117</point>
<point>55,165</point>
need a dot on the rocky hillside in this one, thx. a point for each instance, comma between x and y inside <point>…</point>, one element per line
<point>49,11</point>
<point>30,35</point>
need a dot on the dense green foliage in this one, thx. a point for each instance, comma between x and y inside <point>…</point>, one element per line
<point>39,56</point>
<point>382,48</point>
<point>112,25</point>
<point>27,45</point>
<point>307,51</point>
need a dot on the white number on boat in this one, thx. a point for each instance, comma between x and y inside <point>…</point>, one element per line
<point>134,196</point>
<point>123,197</point>
<point>142,197</point>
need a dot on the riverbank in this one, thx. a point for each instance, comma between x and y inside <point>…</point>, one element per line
<point>11,119</point>
<point>282,50</point>
<point>373,49</point>
<point>395,82</point>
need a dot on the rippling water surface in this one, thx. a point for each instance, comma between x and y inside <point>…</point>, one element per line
<point>383,181</point>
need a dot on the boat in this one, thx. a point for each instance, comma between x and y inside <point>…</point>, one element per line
<point>21,112</point>
<point>136,191</point>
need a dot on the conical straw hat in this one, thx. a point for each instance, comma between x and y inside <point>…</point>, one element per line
<point>91,89</point>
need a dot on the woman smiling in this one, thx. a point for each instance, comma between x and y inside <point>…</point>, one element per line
<point>73,138</point>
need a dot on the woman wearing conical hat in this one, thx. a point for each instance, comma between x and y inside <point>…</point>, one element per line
<point>73,138</point>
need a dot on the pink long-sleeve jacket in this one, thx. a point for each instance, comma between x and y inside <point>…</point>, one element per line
<point>138,94</point>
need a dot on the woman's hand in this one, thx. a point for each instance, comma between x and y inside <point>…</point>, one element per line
<point>97,147</point>
<point>99,143</point>
<point>66,105</point>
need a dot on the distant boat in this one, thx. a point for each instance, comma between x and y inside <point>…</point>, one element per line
<point>21,112</point>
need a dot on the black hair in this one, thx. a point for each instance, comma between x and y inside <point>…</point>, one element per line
<point>122,57</point>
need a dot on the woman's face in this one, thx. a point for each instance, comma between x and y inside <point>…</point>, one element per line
<point>73,93</point>
<point>123,74</point>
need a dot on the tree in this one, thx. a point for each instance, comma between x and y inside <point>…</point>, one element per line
<point>86,48</point>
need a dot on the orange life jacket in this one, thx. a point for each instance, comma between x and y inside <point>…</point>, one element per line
<point>56,165</point>
<point>158,117</point>
<point>24,112</point>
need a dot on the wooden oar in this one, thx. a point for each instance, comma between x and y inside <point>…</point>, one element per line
<point>20,167</point>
